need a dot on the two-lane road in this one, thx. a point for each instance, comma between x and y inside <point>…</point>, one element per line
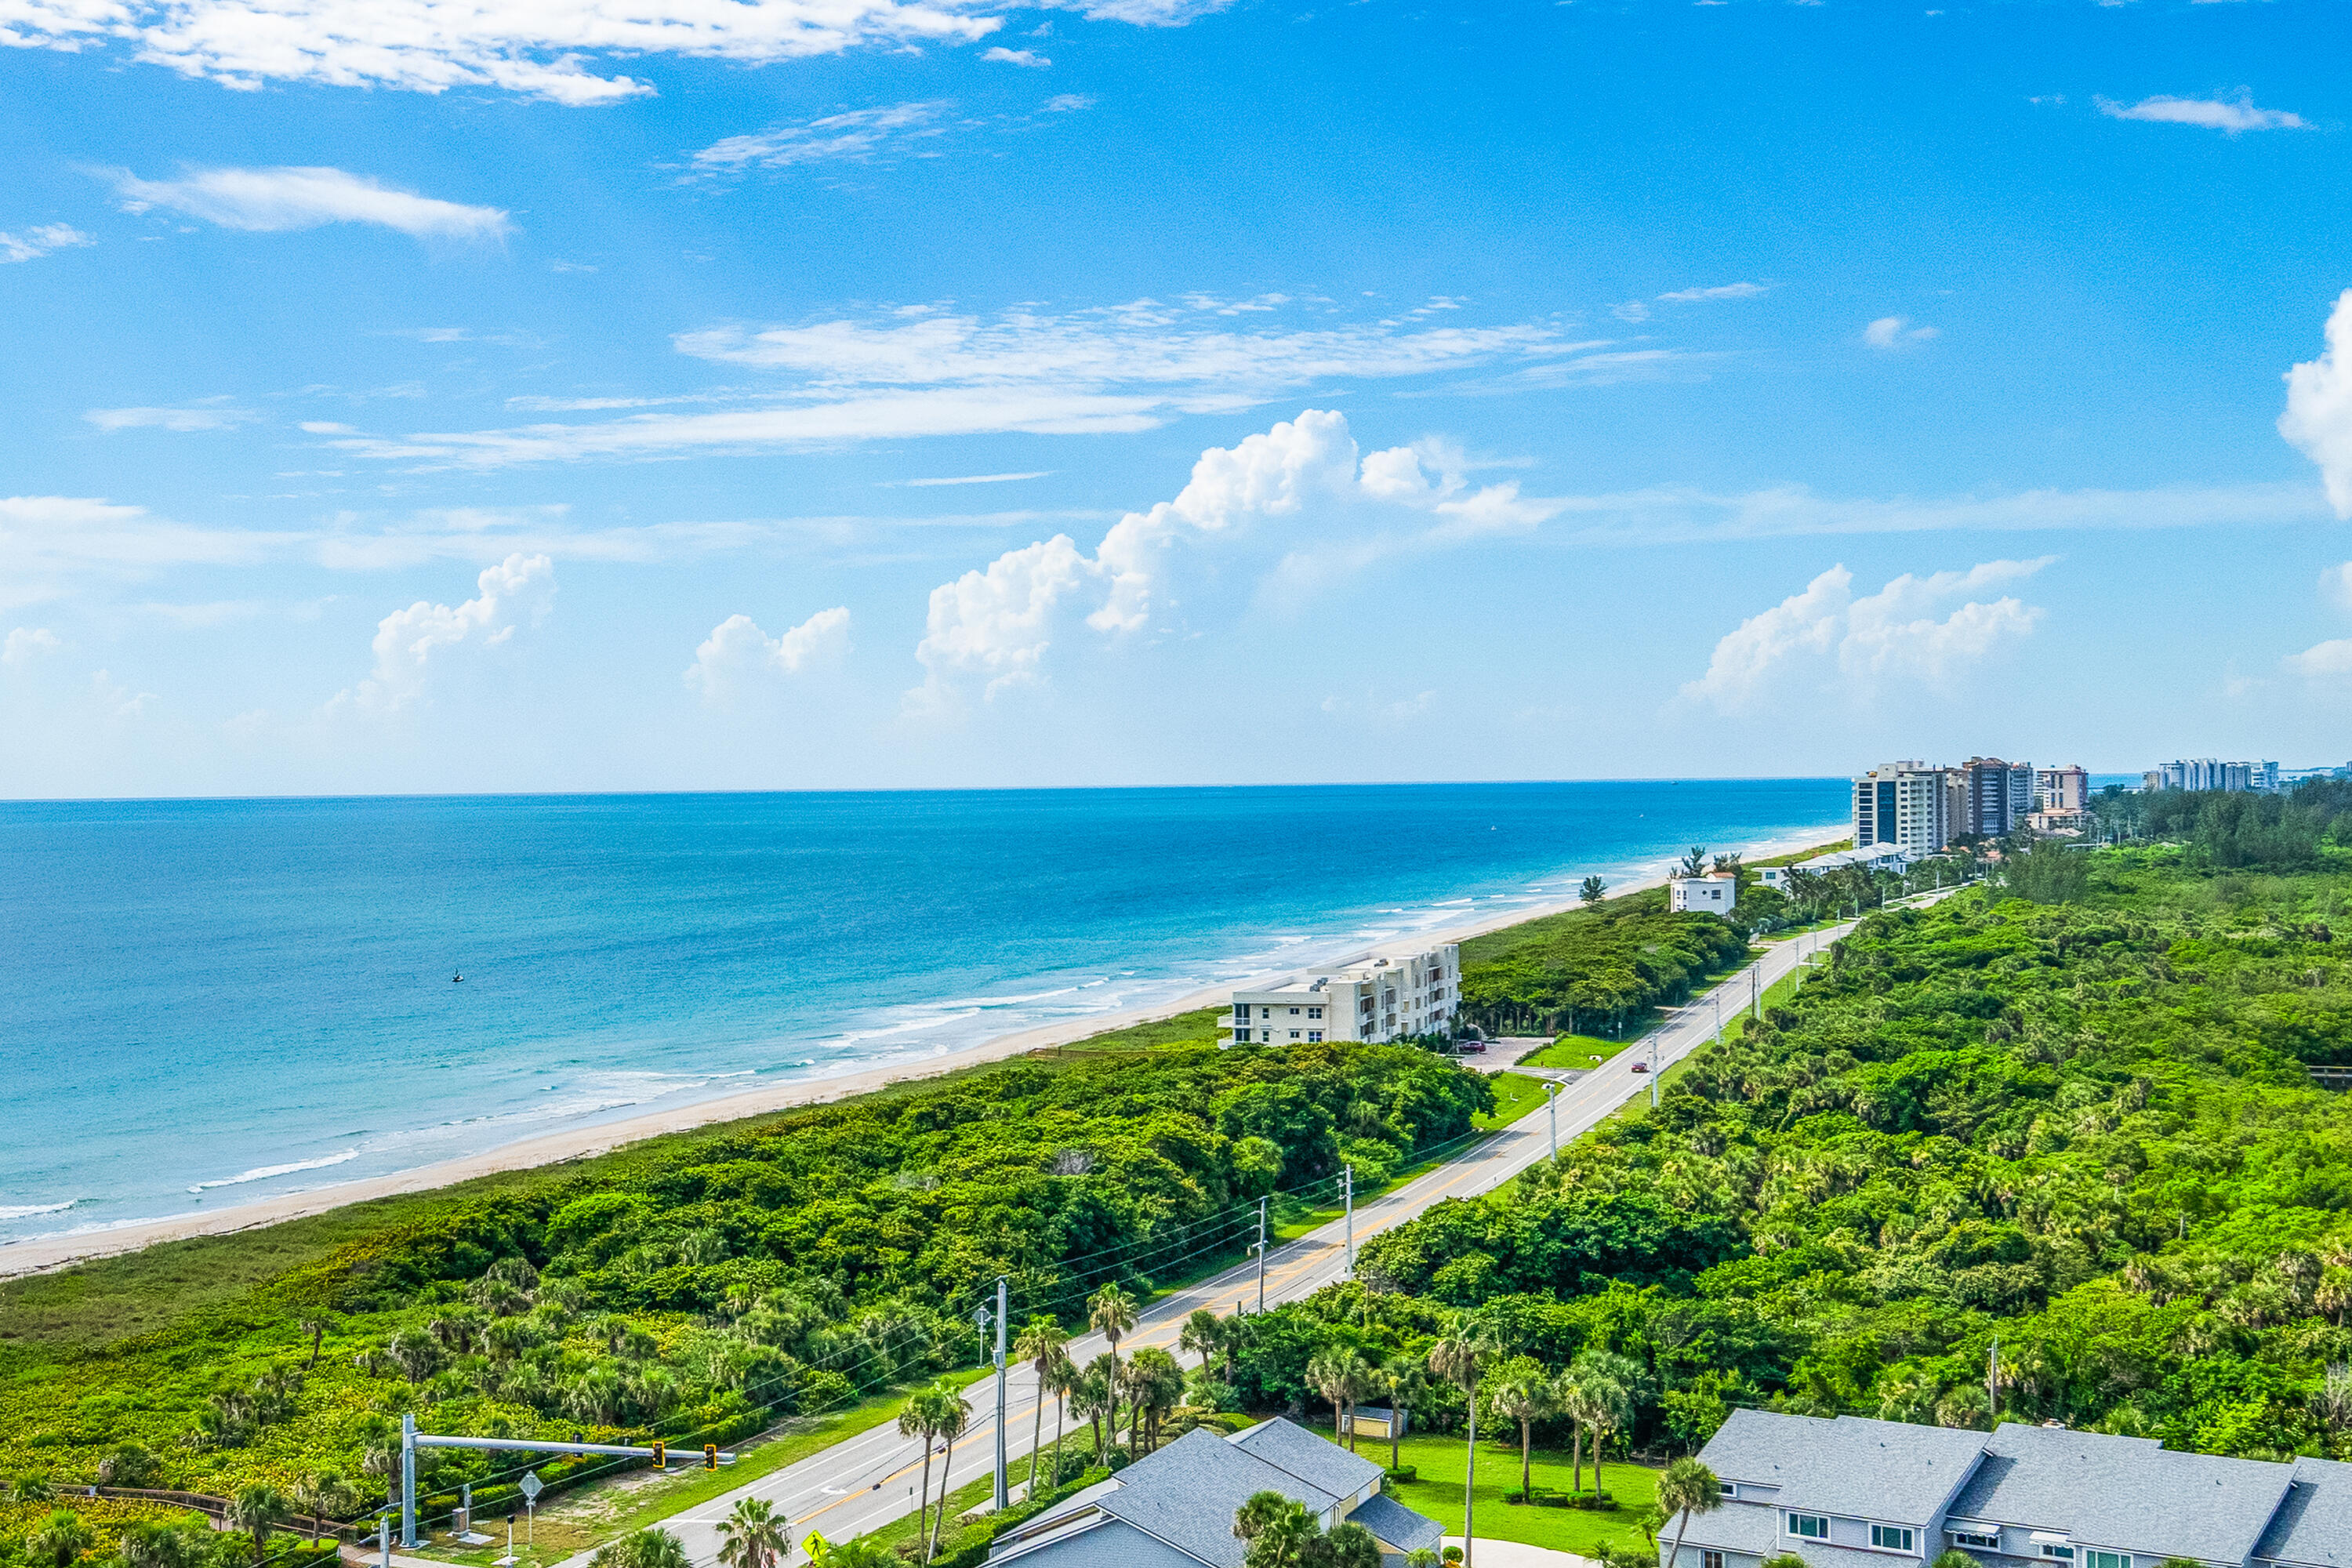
<point>866,1481</point>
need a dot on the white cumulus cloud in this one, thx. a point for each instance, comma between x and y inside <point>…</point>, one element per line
<point>2323,661</point>
<point>1896,633</point>
<point>2318,416</point>
<point>1029,58</point>
<point>996,624</point>
<point>271,201</point>
<point>1893,332</point>
<point>2229,116</point>
<point>42,238</point>
<point>25,644</point>
<point>737,649</point>
<point>408,642</point>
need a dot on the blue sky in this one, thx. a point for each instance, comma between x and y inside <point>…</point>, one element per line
<point>415,396</point>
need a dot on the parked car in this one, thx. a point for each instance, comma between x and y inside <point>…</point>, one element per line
<point>1466,1046</point>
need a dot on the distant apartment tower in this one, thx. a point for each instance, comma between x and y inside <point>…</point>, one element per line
<point>2212,773</point>
<point>1912,806</point>
<point>1389,996</point>
<point>1999,794</point>
<point>2061,789</point>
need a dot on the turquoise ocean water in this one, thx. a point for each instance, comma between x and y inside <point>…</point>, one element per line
<point>207,1002</point>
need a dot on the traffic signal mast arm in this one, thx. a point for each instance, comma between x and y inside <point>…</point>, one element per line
<point>532,1445</point>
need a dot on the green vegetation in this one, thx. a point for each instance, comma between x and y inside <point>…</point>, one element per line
<point>701,1288</point>
<point>1436,1490</point>
<point>1612,961</point>
<point>1575,1051</point>
<point>1515,1094</point>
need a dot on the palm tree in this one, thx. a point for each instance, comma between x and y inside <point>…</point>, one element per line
<point>1110,1311</point>
<point>147,1544</point>
<point>1097,1396</point>
<point>949,1423</point>
<point>317,1329</point>
<point>1608,1381</point>
<point>1328,1374</point>
<point>1062,1379</point>
<point>1406,1383</point>
<point>1273,1530</point>
<point>642,1549</point>
<point>1694,863</point>
<point>1462,1349</point>
<point>318,1494</point>
<point>1156,1383</point>
<point>915,1420</point>
<point>1686,1488</point>
<point>61,1541</point>
<point>1525,1397</point>
<point>252,1510</point>
<point>1591,889</point>
<point>1041,1345</point>
<point>753,1536</point>
<point>1205,1332</point>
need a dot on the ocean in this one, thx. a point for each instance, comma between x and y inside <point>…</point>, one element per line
<point>203,1002</point>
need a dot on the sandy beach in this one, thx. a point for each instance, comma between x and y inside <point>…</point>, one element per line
<point>39,1254</point>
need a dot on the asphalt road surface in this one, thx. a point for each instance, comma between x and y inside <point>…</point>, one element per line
<point>867,1482</point>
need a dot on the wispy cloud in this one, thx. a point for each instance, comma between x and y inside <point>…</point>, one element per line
<point>275,200</point>
<point>553,52</point>
<point>920,371</point>
<point>858,135</point>
<point>39,240</point>
<point>964,479</point>
<point>1720,291</point>
<point>206,413</point>
<point>2229,116</point>
<point>1002,56</point>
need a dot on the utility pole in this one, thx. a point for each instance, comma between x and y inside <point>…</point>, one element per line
<point>1992,1384</point>
<point>1261,1254</point>
<point>1551,1109</point>
<point>1654,1071</point>
<point>1348,1190</point>
<point>408,1479</point>
<point>1002,1500</point>
<point>1755,989</point>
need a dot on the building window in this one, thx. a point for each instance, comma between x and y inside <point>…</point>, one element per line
<point>1293,1034</point>
<point>2059,1553</point>
<point>1985,1539</point>
<point>1809,1526</point>
<point>1315,1012</point>
<point>1266,1012</point>
<point>1710,1560</point>
<point>1314,1036</point>
<point>1266,1036</point>
<point>1729,1488</point>
<point>1893,1537</point>
<point>2107,1559</point>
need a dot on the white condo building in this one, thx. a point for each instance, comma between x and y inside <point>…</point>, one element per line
<point>1912,806</point>
<point>1714,894</point>
<point>1392,994</point>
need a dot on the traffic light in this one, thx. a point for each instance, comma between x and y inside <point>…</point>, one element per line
<point>661,1455</point>
<point>710,1455</point>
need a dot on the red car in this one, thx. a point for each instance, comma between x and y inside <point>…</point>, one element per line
<point>1641,1067</point>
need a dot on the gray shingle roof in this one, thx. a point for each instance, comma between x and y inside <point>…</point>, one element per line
<point>1101,1543</point>
<point>1397,1525</point>
<point>1307,1457</point>
<point>1186,1495</point>
<point>2125,1493</point>
<point>1754,1529</point>
<point>2315,1527</point>
<point>1866,1470</point>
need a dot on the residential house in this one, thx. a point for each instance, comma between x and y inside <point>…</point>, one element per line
<point>1857,1493</point>
<point>1174,1509</point>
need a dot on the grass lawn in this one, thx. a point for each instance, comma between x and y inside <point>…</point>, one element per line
<point>1515,1094</point>
<point>1438,1494</point>
<point>1575,1051</point>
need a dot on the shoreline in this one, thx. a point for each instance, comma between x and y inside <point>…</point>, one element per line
<point>39,1255</point>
